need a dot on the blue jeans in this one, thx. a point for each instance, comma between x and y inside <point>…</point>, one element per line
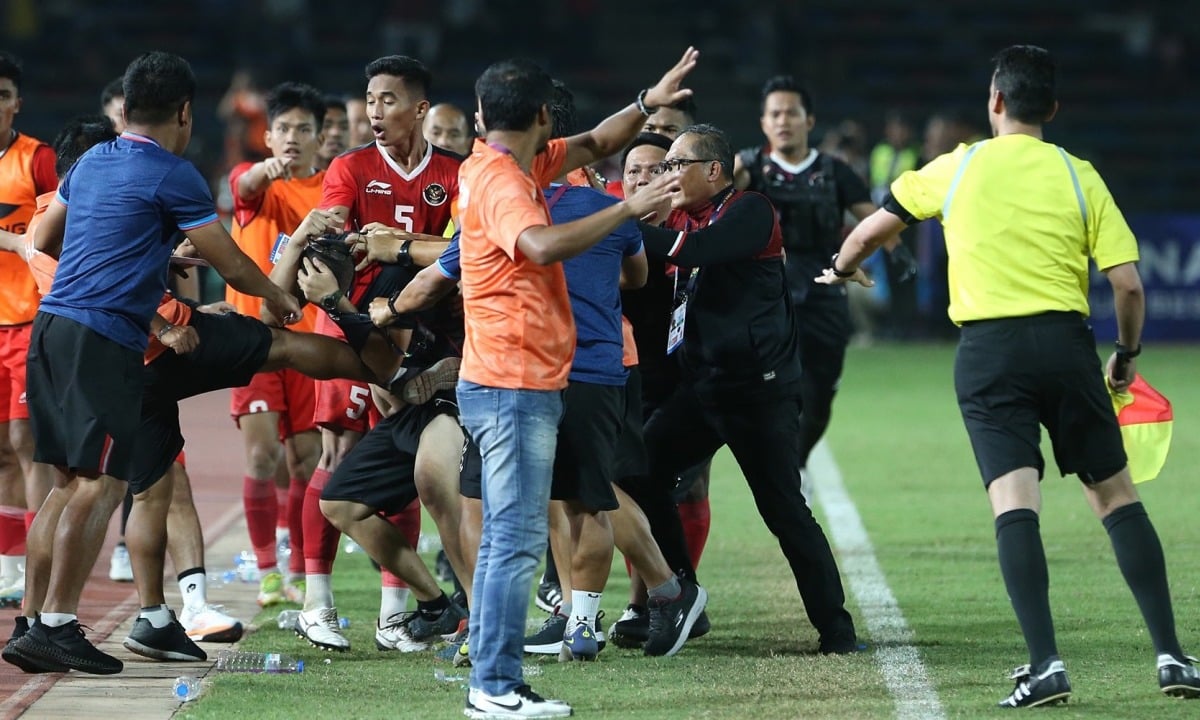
<point>516,432</point>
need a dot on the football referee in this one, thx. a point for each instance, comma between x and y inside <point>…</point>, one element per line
<point>1021,219</point>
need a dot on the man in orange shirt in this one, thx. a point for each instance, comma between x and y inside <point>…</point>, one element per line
<point>520,341</point>
<point>26,171</point>
<point>275,411</point>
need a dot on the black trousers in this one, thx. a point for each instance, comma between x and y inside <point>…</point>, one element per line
<point>764,437</point>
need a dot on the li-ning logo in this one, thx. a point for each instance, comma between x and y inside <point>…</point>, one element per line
<point>378,187</point>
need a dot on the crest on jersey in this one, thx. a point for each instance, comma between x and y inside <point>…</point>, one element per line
<point>434,194</point>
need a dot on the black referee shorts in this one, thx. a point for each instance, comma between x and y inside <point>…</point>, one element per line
<point>83,392</point>
<point>1013,374</point>
<point>232,349</point>
<point>380,471</point>
<point>585,458</point>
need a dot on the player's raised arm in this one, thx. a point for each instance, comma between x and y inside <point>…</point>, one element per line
<point>616,131</point>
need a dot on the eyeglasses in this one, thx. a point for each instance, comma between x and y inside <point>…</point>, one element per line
<point>681,163</point>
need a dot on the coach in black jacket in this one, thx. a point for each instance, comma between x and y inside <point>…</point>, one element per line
<point>733,331</point>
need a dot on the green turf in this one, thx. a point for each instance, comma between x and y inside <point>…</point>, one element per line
<point>900,445</point>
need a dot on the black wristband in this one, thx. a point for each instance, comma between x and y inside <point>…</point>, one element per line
<point>1124,353</point>
<point>330,302</point>
<point>404,258</point>
<point>392,302</point>
<point>840,273</point>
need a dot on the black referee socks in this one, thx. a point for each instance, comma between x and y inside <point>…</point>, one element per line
<point>1023,565</point>
<point>1140,557</point>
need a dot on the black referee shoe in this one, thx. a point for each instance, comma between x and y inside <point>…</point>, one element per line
<point>64,646</point>
<point>1046,688</point>
<point>1178,678</point>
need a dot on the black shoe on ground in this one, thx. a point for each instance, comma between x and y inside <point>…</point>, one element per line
<point>169,642</point>
<point>841,644</point>
<point>633,627</point>
<point>1046,688</point>
<point>671,621</point>
<point>1178,678</point>
<point>11,655</point>
<point>548,639</point>
<point>702,626</point>
<point>64,646</point>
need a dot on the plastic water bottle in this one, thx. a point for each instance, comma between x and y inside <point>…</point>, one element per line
<point>242,661</point>
<point>186,688</point>
<point>350,547</point>
<point>246,567</point>
<point>429,542</point>
<point>287,619</point>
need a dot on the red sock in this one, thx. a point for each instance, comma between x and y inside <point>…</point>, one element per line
<point>12,530</point>
<point>281,502</point>
<point>408,522</point>
<point>321,538</point>
<point>29,516</point>
<point>295,520</point>
<point>696,518</point>
<point>258,499</point>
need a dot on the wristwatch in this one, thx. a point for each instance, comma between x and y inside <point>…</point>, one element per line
<point>403,258</point>
<point>330,302</point>
<point>642,107</point>
<point>839,273</point>
<point>1124,353</point>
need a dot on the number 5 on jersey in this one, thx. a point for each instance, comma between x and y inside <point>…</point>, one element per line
<point>404,219</point>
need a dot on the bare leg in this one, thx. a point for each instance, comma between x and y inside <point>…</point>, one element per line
<point>185,537</point>
<point>38,560</point>
<point>592,540</point>
<point>77,540</point>
<point>383,542</point>
<point>631,533</point>
<point>561,546</point>
<point>146,537</point>
<point>438,455</point>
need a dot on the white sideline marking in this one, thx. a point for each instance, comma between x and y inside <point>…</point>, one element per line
<point>899,662</point>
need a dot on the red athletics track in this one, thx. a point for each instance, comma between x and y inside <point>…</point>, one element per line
<point>214,458</point>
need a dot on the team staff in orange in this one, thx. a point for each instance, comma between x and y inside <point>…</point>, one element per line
<point>520,341</point>
<point>26,171</point>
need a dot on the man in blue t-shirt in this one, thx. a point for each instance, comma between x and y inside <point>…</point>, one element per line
<point>119,214</point>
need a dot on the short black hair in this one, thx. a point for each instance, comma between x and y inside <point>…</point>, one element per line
<point>562,111</point>
<point>786,83</point>
<point>291,95</point>
<point>111,91</point>
<point>77,137</point>
<point>687,106</point>
<point>413,72</point>
<point>334,102</point>
<point>646,138</point>
<point>511,93</point>
<point>1024,75</point>
<point>712,142</point>
<point>10,67</point>
<point>156,85</point>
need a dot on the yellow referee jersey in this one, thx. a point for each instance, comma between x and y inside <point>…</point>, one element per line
<point>1021,218</point>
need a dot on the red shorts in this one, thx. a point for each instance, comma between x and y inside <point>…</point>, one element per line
<point>14,346</point>
<point>286,392</point>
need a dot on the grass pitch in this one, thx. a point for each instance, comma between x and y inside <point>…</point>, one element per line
<point>899,442</point>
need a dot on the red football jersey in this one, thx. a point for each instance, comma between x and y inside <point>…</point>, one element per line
<point>376,189</point>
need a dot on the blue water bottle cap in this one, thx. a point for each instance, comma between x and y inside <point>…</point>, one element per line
<point>299,666</point>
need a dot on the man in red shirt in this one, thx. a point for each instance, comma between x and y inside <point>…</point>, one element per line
<point>520,341</point>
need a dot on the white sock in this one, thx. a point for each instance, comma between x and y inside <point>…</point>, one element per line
<point>585,605</point>
<point>194,588</point>
<point>317,592</point>
<point>56,619</point>
<point>159,616</point>
<point>12,566</point>
<point>392,600</point>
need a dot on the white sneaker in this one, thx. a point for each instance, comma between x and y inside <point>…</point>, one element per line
<point>396,636</point>
<point>320,628</point>
<point>210,623</point>
<point>520,703</point>
<point>119,567</point>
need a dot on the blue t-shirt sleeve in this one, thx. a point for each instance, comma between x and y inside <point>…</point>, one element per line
<point>64,188</point>
<point>448,264</point>
<point>631,238</point>
<point>186,198</point>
